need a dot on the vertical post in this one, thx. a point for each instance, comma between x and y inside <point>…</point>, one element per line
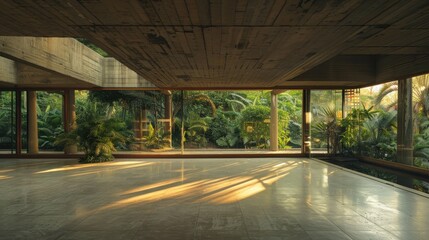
<point>143,127</point>
<point>182,129</point>
<point>69,113</point>
<point>274,123</point>
<point>343,104</point>
<point>18,122</point>
<point>11,129</point>
<point>33,138</point>
<point>306,118</point>
<point>405,122</point>
<point>343,114</point>
<point>168,114</point>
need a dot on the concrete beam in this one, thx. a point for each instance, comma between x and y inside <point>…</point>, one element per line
<point>7,71</point>
<point>66,56</point>
<point>30,77</point>
<point>62,62</point>
<point>116,75</point>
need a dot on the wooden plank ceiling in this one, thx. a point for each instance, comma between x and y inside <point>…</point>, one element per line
<point>205,44</point>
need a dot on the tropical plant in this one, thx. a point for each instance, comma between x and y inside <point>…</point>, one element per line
<point>96,134</point>
<point>330,128</point>
<point>223,131</point>
<point>380,137</point>
<point>157,138</point>
<point>196,128</point>
<point>353,131</point>
<point>6,121</point>
<point>255,130</point>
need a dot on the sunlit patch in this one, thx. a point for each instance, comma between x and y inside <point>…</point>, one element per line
<point>279,165</point>
<point>273,178</point>
<point>245,188</point>
<point>67,168</point>
<point>107,164</point>
<point>222,190</point>
<point>152,186</point>
<point>2,177</point>
<point>224,166</point>
<point>7,170</point>
<point>172,192</point>
<point>111,169</point>
<point>121,163</point>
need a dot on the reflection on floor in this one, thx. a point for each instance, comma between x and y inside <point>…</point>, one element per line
<point>265,198</point>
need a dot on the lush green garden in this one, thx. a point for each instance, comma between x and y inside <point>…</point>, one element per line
<point>106,121</point>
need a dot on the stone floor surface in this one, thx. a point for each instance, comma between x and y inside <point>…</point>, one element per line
<point>258,198</point>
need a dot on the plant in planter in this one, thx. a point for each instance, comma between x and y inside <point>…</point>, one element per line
<point>95,134</point>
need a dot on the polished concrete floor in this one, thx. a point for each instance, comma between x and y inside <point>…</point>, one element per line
<point>265,198</point>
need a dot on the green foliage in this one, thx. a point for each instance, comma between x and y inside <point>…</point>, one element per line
<point>223,131</point>
<point>6,130</point>
<point>284,132</point>
<point>195,130</point>
<point>157,138</point>
<point>96,134</point>
<point>330,129</point>
<point>255,132</point>
<point>353,131</point>
<point>255,129</point>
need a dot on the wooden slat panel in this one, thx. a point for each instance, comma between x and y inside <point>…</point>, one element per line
<point>221,43</point>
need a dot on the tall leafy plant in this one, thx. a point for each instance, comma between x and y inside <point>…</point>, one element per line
<point>96,134</point>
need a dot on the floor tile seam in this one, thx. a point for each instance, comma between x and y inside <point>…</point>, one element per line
<point>376,224</point>
<point>331,231</point>
<point>344,230</point>
<point>74,223</point>
<point>244,221</point>
<point>385,182</point>
<point>195,231</point>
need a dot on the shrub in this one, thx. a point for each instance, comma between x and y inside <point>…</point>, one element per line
<point>96,134</point>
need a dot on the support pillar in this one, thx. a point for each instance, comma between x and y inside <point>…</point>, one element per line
<point>18,122</point>
<point>168,114</point>
<point>69,110</point>
<point>33,138</point>
<point>405,122</point>
<point>274,123</point>
<point>306,121</point>
<point>182,129</point>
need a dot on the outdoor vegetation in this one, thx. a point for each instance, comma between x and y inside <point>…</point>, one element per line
<point>108,121</point>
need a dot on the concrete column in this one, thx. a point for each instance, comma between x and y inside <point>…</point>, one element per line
<point>18,122</point>
<point>274,123</point>
<point>168,114</point>
<point>69,110</point>
<point>33,138</point>
<point>306,121</point>
<point>405,122</point>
